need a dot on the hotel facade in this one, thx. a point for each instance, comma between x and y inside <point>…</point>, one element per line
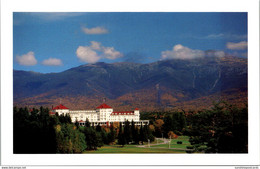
<point>102,115</point>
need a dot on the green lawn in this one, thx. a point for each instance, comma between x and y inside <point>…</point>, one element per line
<point>160,148</point>
<point>131,149</point>
<point>184,139</point>
<point>155,141</point>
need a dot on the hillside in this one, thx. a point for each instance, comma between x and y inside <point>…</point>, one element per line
<point>169,84</point>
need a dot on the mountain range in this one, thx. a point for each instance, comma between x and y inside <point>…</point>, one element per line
<point>169,85</point>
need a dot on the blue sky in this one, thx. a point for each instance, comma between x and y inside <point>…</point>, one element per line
<point>54,42</point>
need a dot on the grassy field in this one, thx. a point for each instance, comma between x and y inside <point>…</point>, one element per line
<point>160,148</point>
<point>131,149</point>
<point>184,139</point>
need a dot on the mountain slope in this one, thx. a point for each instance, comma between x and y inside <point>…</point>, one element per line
<point>130,84</point>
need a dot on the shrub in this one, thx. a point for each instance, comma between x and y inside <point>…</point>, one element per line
<point>179,142</point>
<point>190,147</point>
<point>202,148</point>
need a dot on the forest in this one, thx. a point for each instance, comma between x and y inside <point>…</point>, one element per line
<point>221,129</point>
<point>36,132</point>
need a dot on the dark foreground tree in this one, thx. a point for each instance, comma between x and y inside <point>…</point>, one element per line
<point>121,136</point>
<point>33,131</point>
<point>93,139</point>
<point>134,131</point>
<point>223,129</point>
<point>127,132</point>
<point>111,135</point>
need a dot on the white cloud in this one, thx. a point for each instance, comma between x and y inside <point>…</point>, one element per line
<point>52,62</point>
<point>237,46</point>
<point>86,54</point>
<point>27,59</point>
<point>182,52</point>
<point>96,30</point>
<point>111,53</point>
<point>95,52</point>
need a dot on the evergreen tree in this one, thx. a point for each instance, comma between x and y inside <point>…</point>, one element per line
<point>62,118</point>
<point>223,129</point>
<point>105,136</point>
<point>142,135</point>
<point>168,124</point>
<point>67,118</point>
<point>176,122</point>
<point>121,136</point>
<point>112,134</point>
<point>127,132</point>
<point>77,124</point>
<point>87,123</point>
<point>93,140</point>
<point>134,132</point>
<point>183,123</point>
<point>145,131</point>
<point>98,128</point>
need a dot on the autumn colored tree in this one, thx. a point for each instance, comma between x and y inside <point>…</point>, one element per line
<point>69,139</point>
<point>149,133</point>
<point>152,128</point>
<point>158,127</point>
<point>115,125</point>
<point>172,135</point>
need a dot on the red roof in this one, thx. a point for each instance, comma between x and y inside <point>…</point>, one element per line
<point>60,107</point>
<point>104,106</point>
<point>136,109</point>
<point>123,113</point>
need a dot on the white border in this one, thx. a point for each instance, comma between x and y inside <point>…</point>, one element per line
<point>9,6</point>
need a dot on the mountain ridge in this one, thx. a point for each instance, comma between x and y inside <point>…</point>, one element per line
<point>180,81</point>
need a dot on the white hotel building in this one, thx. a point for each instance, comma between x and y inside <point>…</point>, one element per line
<point>102,115</point>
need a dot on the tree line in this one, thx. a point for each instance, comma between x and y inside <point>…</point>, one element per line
<point>221,129</point>
<point>36,132</point>
<point>166,124</point>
